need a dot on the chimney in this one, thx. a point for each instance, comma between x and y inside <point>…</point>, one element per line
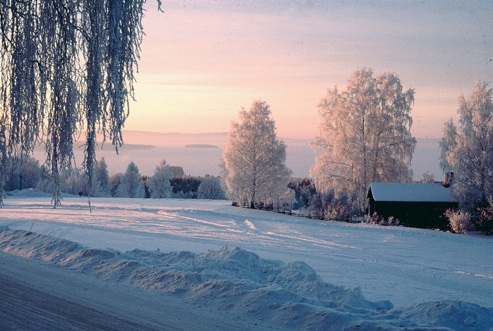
<point>449,177</point>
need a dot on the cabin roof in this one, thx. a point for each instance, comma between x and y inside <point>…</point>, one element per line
<point>410,192</point>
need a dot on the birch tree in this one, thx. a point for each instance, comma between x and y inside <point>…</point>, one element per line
<point>254,160</point>
<point>467,149</point>
<point>65,66</point>
<point>365,135</point>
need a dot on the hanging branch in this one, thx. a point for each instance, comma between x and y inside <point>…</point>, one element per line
<point>125,37</point>
<point>25,114</point>
<point>61,44</point>
<point>48,92</point>
<point>3,158</point>
<point>96,38</point>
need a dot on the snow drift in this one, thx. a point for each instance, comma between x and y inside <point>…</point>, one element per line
<point>288,295</point>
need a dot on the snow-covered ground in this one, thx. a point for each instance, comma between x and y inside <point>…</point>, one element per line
<point>432,278</point>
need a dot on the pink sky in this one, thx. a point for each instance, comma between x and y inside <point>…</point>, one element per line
<point>202,61</point>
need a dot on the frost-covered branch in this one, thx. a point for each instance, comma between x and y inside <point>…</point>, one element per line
<point>254,159</point>
<point>364,135</point>
<point>65,65</point>
<point>467,150</point>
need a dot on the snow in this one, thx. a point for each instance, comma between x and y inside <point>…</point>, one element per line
<point>411,192</point>
<point>286,271</point>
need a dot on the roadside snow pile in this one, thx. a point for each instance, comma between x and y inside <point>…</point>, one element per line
<point>289,295</point>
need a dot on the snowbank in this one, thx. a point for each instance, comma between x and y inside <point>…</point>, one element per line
<point>290,295</point>
<point>404,265</point>
<point>28,193</point>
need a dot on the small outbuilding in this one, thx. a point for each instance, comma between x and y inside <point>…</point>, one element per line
<point>413,204</point>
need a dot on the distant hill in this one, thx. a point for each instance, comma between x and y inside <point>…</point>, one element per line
<point>175,139</point>
<point>200,146</point>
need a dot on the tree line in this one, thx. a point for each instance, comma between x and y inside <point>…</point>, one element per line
<point>25,172</point>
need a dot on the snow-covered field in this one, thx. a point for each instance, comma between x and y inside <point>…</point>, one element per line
<point>430,278</point>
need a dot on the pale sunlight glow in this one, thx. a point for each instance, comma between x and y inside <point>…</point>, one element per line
<point>201,62</point>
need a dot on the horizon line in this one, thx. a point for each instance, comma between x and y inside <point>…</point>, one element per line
<point>226,133</point>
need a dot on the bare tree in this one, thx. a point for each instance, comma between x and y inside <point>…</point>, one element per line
<point>253,162</point>
<point>467,150</point>
<point>65,64</point>
<point>364,135</point>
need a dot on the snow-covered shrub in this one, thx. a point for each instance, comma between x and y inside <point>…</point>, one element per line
<point>285,202</point>
<point>303,189</point>
<point>393,221</point>
<point>343,207</point>
<point>484,219</point>
<point>211,188</point>
<point>318,205</point>
<point>460,221</point>
<point>380,220</point>
<point>330,206</point>
<point>373,219</point>
<point>339,212</point>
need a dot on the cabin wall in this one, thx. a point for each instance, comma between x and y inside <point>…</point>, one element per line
<point>415,214</point>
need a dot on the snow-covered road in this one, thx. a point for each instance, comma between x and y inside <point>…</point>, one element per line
<point>403,265</point>
<point>39,296</point>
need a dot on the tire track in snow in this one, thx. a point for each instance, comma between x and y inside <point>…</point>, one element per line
<point>250,225</point>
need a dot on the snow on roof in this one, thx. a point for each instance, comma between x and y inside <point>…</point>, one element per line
<point>410,192</point>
